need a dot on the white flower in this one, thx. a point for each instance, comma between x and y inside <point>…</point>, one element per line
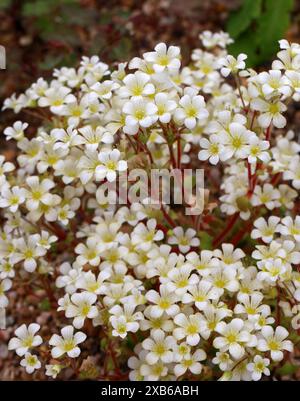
<point>121,326</point>
<point>89,253</point>
<point>211,317</point>
<point>259,367</point>
<point>46,240</point>
<point>16,131</point>
<point>270,112</point>
<point>179,279</point>
<point>163,322</point>
<point>293,172</point>
<point>290,227</point>
<point>184,239</point>
<point>273,82</point>
<point>272,270</point>
<point>266,195</point>
<point>28,250</point>
<point>251,306</point>
<point>154,372</point>
<point>137,85</point>
<point>223,360</point>
<point>5,285</point>
<point>229,256</point>
<point>139,112</point>
<point>192,110</point>
<point>82,307</point>
<point>210,39</point>
<point>65,139</point>
<point>90,283</point>
<point>274,342</point>
<point>105,89</point>
<point>67,342</point>
<point>164,58</point>
<point>11,198</point>
<point>232,65</point>
<point>53,370</point>
<point>110,165</point>
<point>190,362</point>
<point>26,339</point>
<point>202,262</point>
<point>257,150</point>
<point>56,97</point>
<point>5,167</point>
<point>189,328</point>
<point>38,192</point>
<point>30,363</point>
<point>92,137</point>
<point>265,229</point>
<point>68,277</point>
<point>165,107</point>
<point>213,149</point>
<point>144,236</point>
<point>164,302</point>
<point>159,347</point>
<point>135,363</point>
<point>236,141</point>
<point>200,294</point>
<point>234,338</point>
<point>223,278</point>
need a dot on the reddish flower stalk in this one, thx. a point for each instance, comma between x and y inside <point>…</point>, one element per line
<point>167,217</point>
<point>227,229</point>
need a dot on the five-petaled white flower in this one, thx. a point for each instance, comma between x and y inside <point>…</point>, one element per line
<point>67,343</point>
<point>275,342</point>
<point>25,339</point>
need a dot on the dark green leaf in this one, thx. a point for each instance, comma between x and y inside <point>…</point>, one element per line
<point>273,24</point>
<point>240,20</point>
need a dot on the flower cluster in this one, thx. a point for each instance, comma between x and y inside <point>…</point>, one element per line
<point>214,296</point>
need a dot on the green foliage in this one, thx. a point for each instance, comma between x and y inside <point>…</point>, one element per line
<point>205,240</point>
<point>241,20</point>
<point>37,8</point>
<point>287,369</point>
<point>5,4</point>
<point>257,26</point>
<point>45,305</point>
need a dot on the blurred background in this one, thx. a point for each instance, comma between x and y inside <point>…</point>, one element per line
<point>40,35</point>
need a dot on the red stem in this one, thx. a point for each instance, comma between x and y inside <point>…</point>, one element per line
<point>226,230</point>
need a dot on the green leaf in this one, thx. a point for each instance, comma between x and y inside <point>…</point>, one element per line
<point>258,30</point>
<point>273,24</point>
<point>246,43</point>
<point>5,4</point>
<point>37,8</point>
<point>287,369</point>
<point>45,305</point>
<point>241,19</point>
<point>205,240</point>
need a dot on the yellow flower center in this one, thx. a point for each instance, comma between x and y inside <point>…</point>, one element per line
<point>140,114</point>
<point>159,349</point>
<point>111,165</point>
<point>231,338</point>
<point>164,304</point>
<point>273,345</point>
<point>192,329</point>
<point>69,345</point>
